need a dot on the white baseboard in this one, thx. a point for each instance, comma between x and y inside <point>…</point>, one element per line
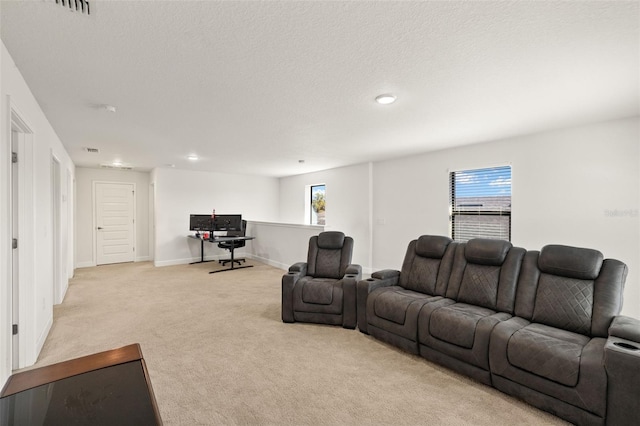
<point>269,262</point>
<point>40,342</point>
<point>279,265</point>
<point>173,262</point>
<point>64,293</point>
<point>215,257</point>
<point>91,263</point>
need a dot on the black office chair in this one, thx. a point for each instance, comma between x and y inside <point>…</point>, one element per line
<point>232,245</point>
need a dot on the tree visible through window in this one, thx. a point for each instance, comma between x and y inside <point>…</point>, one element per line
<point>481,203</point>
<point>317,204</point>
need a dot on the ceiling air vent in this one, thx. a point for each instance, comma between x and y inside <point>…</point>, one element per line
<point>81,6</point>
<point>111,166</point>
<point>92,150</point>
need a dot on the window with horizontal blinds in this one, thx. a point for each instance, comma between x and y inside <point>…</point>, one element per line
<point>480,203</point>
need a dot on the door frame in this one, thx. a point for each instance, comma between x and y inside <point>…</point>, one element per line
<point>59,287</point>
<point>94,220</point>
<point>27,306</point>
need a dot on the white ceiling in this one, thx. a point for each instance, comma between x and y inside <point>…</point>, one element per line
<point>253,87</point>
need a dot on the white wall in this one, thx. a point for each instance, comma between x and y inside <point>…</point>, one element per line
<point>347,205</point>
<point>280,244</point>
<point>5,259</point>
<point>85,240</point>
<point>576,186</point>
<point>36,296</point>
<point>179,193</point>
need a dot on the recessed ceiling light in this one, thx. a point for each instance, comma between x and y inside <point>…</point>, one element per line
<point>192,157</point>
<point>385,99</point>
<point>117,163</point>
<point>109,108</point>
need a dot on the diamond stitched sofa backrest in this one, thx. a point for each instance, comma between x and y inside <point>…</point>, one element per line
<point>571,288</point>
<point>329,255</point>
<point>485,273</point>
<point>427,265</point>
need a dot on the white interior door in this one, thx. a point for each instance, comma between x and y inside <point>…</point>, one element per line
<point>14,252</point>
<point>114,213</point>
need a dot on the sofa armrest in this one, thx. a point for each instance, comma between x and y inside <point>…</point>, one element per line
<point>384,278</point>
<point>625,328</point>
<point>353,274</point>
<point>354,270</point>
<point>622,363</point>
<point>300,267</point>
<point>289,280</point>
<point>385,274</point>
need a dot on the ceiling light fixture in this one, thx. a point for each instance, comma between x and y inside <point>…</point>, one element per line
<point>117,163</point>
<point>192,157</point>
<point>109,108</point>
<point>385,99</point>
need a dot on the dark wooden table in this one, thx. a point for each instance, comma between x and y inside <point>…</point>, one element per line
<point>107,388</point>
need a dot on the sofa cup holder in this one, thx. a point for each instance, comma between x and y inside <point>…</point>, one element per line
<point>627,346</point>
<point>371,279</point>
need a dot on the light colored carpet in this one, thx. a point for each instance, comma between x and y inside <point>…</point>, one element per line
<point>218,353</point>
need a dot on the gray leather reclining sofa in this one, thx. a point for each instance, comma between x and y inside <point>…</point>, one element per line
<point>542,326</point>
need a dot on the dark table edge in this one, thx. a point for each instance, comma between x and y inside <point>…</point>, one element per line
<point>24,380</point>
<point>40,376</point>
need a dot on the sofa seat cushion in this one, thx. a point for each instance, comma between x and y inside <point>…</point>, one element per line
<point>589,391</point>
<point>395,309</point>
<point>548,352</point>
<point>457,323</point>
<point>393,305</point>
<point>318,291</point>
<point>459,330</point>
<point>318,295</point>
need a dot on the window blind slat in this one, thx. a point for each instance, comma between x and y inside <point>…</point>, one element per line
<point>481,203</point>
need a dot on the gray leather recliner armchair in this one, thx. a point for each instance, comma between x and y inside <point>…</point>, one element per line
<point>323,289</point>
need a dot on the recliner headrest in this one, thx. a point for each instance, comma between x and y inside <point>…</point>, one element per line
<point>570,262</point>
<point>331,240</point>
<point>432,246</point>
<point>483,251</point>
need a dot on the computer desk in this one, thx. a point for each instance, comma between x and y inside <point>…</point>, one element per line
<point>202,240</point>
<point>232,240</point>
<point>220,239</point>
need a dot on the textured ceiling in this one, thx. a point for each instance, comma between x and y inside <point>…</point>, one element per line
<point>253,87</point>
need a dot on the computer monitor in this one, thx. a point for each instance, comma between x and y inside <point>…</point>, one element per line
<point>200,222</point>
<point>227,222</point>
